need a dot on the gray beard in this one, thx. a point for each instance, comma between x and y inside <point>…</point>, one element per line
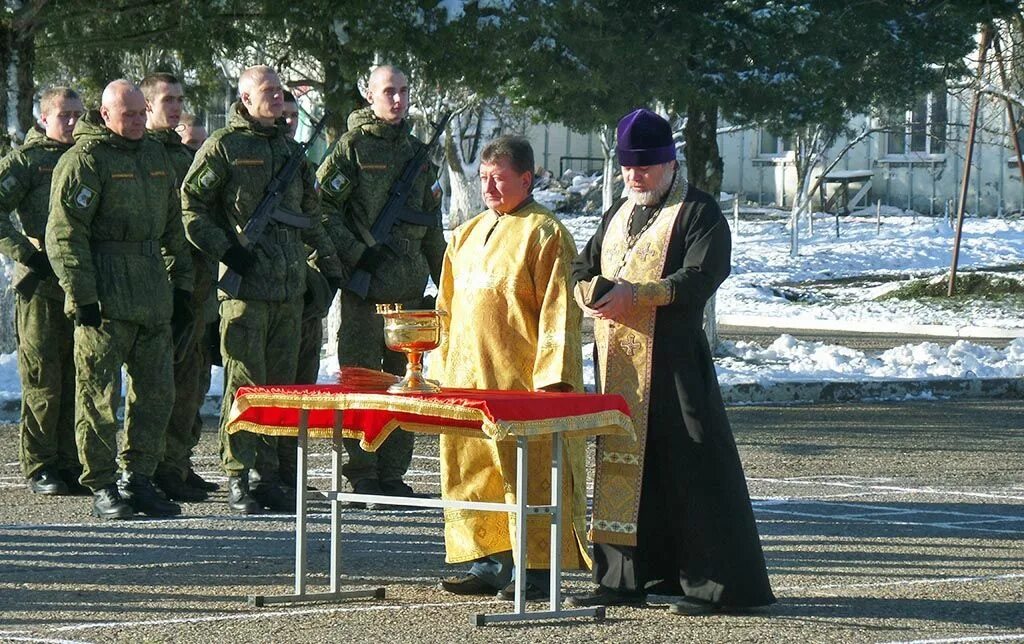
<point>654,197</point>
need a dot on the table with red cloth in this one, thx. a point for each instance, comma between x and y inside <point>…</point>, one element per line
<point>337,411</point>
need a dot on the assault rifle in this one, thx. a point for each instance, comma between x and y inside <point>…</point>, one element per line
<point>269,209</point>
<point>395,209</point>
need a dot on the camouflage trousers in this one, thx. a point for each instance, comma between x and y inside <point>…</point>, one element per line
<point>46,338</point>
<point>361,344</point>
<point>259,343</point>
<point>310,344</point>
<point>146,354</point>
<point>191,382</point>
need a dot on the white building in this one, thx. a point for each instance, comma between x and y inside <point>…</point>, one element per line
<point>917,164</point>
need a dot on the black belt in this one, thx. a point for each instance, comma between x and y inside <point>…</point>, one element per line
<point>146,247</point>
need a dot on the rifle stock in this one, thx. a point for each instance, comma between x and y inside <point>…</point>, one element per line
<point>28,284</point>
<point>359,283</point>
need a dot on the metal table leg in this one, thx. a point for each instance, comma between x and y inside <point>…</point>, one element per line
<point>554,511</point>
<point>301,524</point>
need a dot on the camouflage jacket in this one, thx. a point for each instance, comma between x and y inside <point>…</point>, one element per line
<point>354,184</point>
<point>115,231</point>
<point>181,155</point>
<point>25,189</point>
<point>223,187</point>
<point>203,267</point>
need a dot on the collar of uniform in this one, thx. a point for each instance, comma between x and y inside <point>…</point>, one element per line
<point>167,136</point>
<point>36,138</point>
<point>239,118</point>
<point>365,120</point>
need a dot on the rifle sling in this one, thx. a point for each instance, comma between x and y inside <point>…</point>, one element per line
<point>290,218</point>
<point>364,232</point>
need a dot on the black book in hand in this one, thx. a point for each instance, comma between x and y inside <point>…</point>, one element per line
<point>600,287</point>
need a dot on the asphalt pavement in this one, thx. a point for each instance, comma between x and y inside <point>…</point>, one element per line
<point>881,522</point>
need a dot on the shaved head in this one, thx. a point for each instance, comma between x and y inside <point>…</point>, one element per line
<point>123,108</point>
<point>387,90</point>
<point>260,91</point>
<point>252,76</point>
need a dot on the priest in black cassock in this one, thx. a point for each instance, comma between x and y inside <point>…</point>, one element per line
<point>672,513</point>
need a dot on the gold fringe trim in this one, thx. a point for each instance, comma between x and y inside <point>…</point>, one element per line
<point>603,422</point>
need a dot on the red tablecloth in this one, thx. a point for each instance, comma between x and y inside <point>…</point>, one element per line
<point>371,416</point>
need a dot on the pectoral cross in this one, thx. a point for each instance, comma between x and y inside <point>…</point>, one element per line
<point>630,345</point>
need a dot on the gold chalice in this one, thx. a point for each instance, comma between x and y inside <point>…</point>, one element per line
<point>414,333</point>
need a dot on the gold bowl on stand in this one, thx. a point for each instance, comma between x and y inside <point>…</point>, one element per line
<point>413,333</point>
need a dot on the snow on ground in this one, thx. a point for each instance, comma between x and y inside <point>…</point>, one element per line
<point>764,273</point>
<point>904,245</point>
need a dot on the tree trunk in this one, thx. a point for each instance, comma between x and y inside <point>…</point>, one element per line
<point>466,201</point>
<point>608,171</point>
<point>704,170</point>
<point>703,161</point>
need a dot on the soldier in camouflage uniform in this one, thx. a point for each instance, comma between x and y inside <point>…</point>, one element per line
<point>174,475</point>
<point>49,458</point>
<point>259,328</point>
<point>354,184</point>
<point>116,241</point>
<point>316,303</point>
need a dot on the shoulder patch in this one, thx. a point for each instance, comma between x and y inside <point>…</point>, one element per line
<point>336,183</point>
<point>205,178</point>
<point>80,196</point>
<point>8,182</point>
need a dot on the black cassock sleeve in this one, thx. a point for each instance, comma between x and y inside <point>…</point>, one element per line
<point>700,254</point>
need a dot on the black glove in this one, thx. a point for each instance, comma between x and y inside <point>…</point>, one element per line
<point>335,282</point>
<point>88,315</point>
<point>38,263</point>
<point>429,302</point>
<point>239,259</point>
<point>182,315</point>
<point>373,258</point>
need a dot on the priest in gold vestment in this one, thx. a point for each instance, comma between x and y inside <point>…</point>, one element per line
<point>513,325</point>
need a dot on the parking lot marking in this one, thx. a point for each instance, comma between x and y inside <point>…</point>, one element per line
<point>1009,637</point>
<point>82,626</point>
<point>906,582</point>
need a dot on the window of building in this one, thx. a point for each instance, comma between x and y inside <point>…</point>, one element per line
<point>771,145</point>
<point>920,130</point>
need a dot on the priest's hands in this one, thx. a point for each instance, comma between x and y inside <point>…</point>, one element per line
<point>616,303</point>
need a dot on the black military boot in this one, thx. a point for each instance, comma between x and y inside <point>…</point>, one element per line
<point>108,504</point>
<point>177,489</point>
<point>70,477</point>
<point>198,482</point>
<point>138,490</point>
<point>239,498</point>
<point>273,496</point>
<point>46,481</point>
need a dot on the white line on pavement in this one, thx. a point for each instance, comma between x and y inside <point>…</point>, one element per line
<point>8,637</point>
<point>888,488</point>
<point>1008,637</point>
<point>912,582</point>
<point>264,615</point>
